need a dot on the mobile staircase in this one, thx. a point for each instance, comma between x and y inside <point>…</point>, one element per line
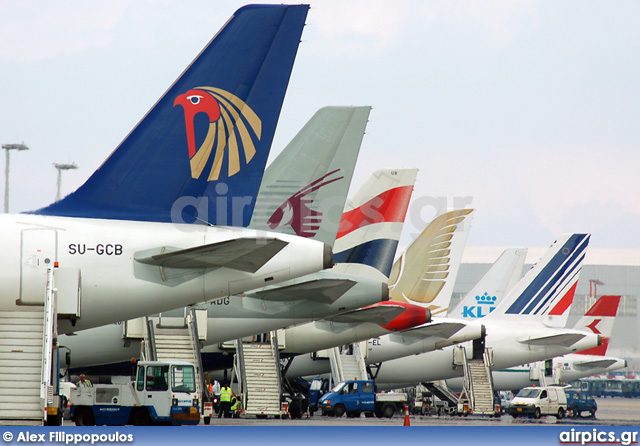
<point>347,362</point>
<point>27,363</point>
<point>257,364</point>
<point>175,339</point>
<point>477,393</point>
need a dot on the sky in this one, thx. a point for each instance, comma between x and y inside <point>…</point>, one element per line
<point>525,110</point>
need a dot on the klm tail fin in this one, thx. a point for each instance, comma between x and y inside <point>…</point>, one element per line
<point>425,274</point>
<point>546,291</point>
<point>494,285</point>
<point>200,152</point>
<point>600,319</point>
<point>372,221</point>
<point>304,189</point>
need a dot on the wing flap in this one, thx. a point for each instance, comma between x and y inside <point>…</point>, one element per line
<point>381,315</point>
<point>243,254</point>
<point>321,290</point>
<point>433,329</point>
<point>565,339</point>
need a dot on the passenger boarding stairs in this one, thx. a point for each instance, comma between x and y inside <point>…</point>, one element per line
<point>478,385</point>
<point>440,389</point>
<point>175,339</point>
<point>347,362</point>
<point>26,361</point>
<point>258,366</point>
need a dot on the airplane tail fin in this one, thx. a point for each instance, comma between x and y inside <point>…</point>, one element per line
<point>372,221</point>
<point>600,320</point>
<point>304,189</point>
<point>494,285</point>
<point>546,291</point>
<point>425,274</point>
<point>200,152</point>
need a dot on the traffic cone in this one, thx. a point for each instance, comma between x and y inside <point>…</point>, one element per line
<point>407,422</point>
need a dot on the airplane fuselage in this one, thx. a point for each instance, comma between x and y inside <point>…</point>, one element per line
<point>114,285</point>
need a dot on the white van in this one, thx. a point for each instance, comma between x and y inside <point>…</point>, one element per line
<point>539,401</point>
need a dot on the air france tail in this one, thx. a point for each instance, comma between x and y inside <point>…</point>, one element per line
<point>546,291</point>
<point>304,190</point>
<point>200,152</point>
<point>372,221</point>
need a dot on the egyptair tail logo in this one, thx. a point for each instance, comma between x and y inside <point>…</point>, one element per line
<point>296,211</point>
<point>233,125</point>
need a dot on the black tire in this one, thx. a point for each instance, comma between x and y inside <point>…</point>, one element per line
<point>514,415</point>
<point>84,417</point>
<point>537,414</point>
<point>141,417</point>
<point>206,420</point>
<point>339,410</point>
<point>592,413</point>
<point>54,420</point>
<point>560,414</point>
<point>388,411</point>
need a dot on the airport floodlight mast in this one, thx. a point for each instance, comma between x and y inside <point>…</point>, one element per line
<point>8,148</point>
<point>60,168</point>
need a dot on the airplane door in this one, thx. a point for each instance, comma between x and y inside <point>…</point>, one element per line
<point>38,252</point>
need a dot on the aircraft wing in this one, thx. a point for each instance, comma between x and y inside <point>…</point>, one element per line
<point>243,254</point>
<point>321,290</point>
<point>566,339</point>
<point>599,363</point>
<point>433,329</point>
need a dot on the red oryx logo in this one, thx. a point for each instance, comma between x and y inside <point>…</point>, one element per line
<point>229,122</point>
<point>296,212</point>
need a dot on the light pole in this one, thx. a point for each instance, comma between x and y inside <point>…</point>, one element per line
<point>9,147</point>
<point>60,168</point>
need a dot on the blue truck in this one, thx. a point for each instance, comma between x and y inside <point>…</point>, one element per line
<point>354,397</point>
<point>578,402</point>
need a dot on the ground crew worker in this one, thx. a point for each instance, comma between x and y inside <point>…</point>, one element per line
<point>234,406</point>
<point>83,382</point>
<point>225,400</point>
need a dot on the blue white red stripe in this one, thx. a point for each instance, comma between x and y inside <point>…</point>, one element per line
<point>555,281</point>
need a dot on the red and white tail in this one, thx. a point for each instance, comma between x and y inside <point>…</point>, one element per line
<point>599,320</point>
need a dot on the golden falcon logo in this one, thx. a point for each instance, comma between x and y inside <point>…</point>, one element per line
<point>232,125</point>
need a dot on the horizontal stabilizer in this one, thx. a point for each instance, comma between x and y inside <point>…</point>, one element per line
<point>565,340</point>
<point>381,315</point>
<point>321,290</point>
<point>595,364</point>
<point>243,254</point>
<point>434,329</point>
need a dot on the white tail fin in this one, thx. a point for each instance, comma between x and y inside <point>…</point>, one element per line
<point>425,274</point>
<point>483,298</point>
<point>546,291</point>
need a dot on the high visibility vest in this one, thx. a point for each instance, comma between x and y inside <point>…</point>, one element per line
<point>210,389</point>
<point>225,394</point>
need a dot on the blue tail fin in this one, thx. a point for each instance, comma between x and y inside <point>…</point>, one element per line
<point>200,152</point>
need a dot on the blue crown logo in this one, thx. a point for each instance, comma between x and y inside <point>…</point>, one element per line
<point>485,299</point>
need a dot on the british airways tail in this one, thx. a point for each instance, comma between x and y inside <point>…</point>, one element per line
<point>304,189</point>
<point>492,287</point>
<point>372,221</point>
<point>425,274</point>
<point>546,292</point>
<point>600,320</point>
<point>200,152</point>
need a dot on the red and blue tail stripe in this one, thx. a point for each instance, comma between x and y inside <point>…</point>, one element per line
<point>551,291</point>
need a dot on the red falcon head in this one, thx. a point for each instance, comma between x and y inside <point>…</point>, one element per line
<point>194,102</point>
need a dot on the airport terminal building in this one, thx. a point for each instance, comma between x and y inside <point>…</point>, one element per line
<point>605,272</point>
